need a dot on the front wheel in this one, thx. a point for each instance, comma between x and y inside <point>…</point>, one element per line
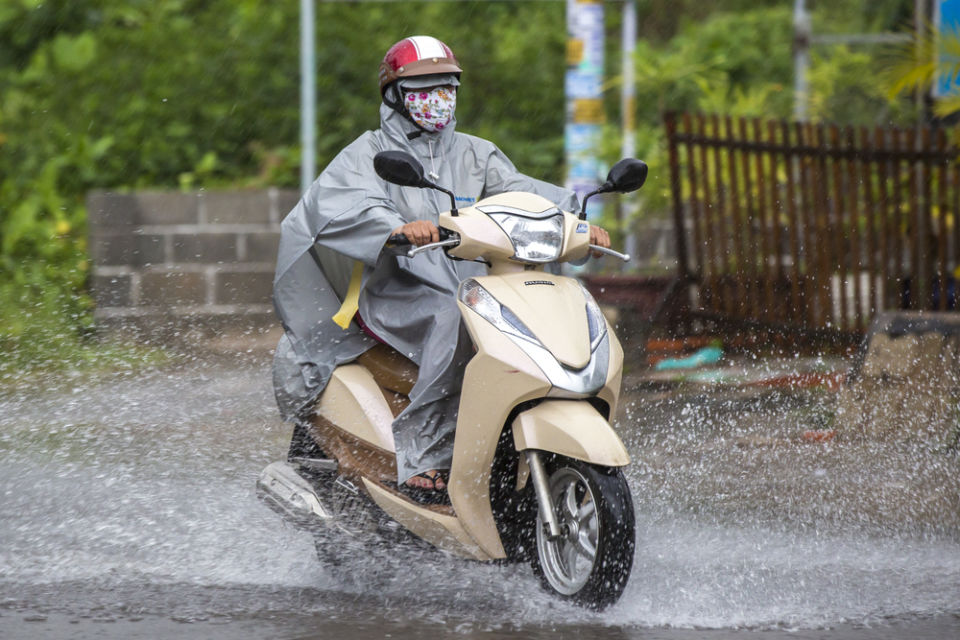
<point>591,560</point>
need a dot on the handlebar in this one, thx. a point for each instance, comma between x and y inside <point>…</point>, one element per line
<point>398,240</point>
<point>451,239</point>
<point>449,242</point>
<point>610,252</point>
<point>401,240</point>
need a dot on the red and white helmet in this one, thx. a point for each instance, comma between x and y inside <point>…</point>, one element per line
<point>417,56</point>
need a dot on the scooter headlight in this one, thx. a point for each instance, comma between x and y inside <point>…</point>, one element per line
<point>535,239</point>
<point>595,320</point>
<point>480,300</point>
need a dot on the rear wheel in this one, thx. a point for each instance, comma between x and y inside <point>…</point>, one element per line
<point>591,560</point>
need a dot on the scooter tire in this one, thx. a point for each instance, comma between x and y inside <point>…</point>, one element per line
<point>603,524</point>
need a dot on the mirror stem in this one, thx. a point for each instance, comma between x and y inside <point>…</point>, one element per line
<point>453,203</point>
<point>605,187</point>
<point>453,200</point>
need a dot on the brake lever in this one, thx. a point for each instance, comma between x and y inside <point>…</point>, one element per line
<point>450,242</point>
<point>610,252</point>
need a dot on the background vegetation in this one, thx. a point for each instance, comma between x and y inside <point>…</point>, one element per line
<point>123,94</point>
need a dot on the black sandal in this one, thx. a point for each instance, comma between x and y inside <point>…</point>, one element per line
<point>430,495</point>
<point>440,475</point>
<point>444,476</point>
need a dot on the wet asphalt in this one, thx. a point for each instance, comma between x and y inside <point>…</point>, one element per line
<point>128,510</point>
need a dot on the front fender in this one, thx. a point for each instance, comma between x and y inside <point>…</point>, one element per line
<point>571,428</point>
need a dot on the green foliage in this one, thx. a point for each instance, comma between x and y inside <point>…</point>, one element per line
<point>860,16</point>
<point>712,62</point>
<point>132,93</point>
<point>661,20</point>
<point>921,63</point>
<point>739,63</point>
<point>186,94</point>
<point>732,63</point>
<point>844,88</point>
<point>512,92</point>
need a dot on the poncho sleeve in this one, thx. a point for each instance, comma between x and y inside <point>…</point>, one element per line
<point>349,203</point>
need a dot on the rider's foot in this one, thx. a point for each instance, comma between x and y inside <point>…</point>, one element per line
<point>429,480</point>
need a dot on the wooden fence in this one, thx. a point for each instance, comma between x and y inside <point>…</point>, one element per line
<point>813,226</point>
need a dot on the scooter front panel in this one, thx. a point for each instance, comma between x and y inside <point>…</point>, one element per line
<point>610,393</point>
<point>552,307</point>
<point>572,428</point>
<point>498,378</point>
<point>480,235</point>
<point>502,375</point>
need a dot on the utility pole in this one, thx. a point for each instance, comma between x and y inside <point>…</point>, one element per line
<point>584,98</point>
<point>308,97</point>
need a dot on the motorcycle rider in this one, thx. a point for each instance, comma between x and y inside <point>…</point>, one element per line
<point>408,303</point>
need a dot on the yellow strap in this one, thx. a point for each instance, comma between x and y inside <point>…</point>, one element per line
<point>351,302</point>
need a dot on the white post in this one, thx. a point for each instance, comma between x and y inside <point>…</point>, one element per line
<point>628,92</point>
<point>628,96</point>
<point>308,97</point>
<point>802,31</point>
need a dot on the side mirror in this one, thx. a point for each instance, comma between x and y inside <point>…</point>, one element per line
<point>399,168</point>
<point>627,175</point>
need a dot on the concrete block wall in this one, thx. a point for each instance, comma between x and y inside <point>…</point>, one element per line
<point>172,260</point>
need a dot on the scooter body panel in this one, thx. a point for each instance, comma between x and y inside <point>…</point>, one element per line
<point>481,237</point>
<point>610,393</point>
<point>500,376</point>
<point>571,428</point>
<point>442,530</point>
<point>353,402</point>
<point>547,370</point>
<point>552,307</point>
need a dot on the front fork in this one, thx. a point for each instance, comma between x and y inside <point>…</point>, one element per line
<point>538,476</point>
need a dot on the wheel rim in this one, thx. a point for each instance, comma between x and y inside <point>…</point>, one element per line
<point>568,561</point>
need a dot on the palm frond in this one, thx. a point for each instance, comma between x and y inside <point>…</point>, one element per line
<point>912,65</point>
<point>930,58</point>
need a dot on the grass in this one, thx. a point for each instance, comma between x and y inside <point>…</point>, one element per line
<point>54,335</point>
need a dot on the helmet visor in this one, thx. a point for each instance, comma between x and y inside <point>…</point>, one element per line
<point>428,81</point>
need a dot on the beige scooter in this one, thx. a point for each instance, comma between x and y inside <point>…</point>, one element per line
<point>537,468</point>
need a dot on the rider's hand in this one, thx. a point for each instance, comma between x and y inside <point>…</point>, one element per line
<point>599,237</point>
<point>419,232</point>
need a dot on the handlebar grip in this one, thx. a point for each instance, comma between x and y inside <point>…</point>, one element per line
<point>400,239</point>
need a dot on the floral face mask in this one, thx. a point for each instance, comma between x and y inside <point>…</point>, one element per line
<point>432,109</point>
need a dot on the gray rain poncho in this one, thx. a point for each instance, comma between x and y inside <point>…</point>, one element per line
<point>348,213</point>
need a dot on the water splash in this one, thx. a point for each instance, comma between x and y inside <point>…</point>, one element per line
<point>134,496</point>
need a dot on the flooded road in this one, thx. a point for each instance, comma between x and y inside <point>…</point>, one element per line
<point>128,510</point>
